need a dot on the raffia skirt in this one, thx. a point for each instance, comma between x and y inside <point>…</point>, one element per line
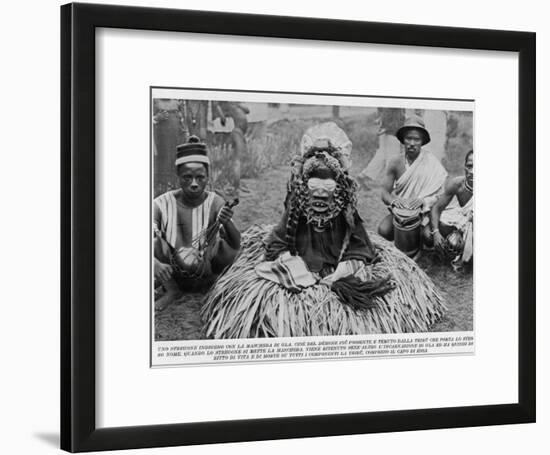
<point>243,305</point>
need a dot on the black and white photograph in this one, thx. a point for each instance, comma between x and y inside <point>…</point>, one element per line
<point>291,218</point>
<point>255,227</point>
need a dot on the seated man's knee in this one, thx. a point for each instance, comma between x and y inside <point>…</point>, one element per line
<point>223,259</point>
<point>427,237</point>
<point>383,232</point>
<point>385,228</point>
<point>455,241</point>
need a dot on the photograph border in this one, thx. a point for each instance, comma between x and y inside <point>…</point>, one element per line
<point>78,243</point>
<point>152,340</point>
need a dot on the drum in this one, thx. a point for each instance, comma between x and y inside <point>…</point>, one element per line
<point>407,230</point>
<point>187,261</point>
<point>454,244</point>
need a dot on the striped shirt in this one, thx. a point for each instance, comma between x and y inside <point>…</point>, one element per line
<point>183,225</point>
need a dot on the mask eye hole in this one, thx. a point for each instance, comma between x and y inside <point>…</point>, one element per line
<point>315,183</point>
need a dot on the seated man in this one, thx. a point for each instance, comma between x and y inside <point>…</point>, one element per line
<point>414,179</point>
<point>452,216</point>
<point>195,238</point>
<point>321,237</point>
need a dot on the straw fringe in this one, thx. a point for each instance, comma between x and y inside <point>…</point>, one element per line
<point>242,305</point>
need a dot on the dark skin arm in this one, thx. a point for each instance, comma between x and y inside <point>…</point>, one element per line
<point>226,250</point>
<point>387,185</point>
<point>451,189</point>
<point>388,182</point>
<point>232,234</point>
<point>162,271</point>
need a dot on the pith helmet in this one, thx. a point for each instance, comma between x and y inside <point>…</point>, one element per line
<point>414,122</point>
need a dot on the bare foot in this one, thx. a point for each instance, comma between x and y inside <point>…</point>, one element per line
<point>162,302</point>
<point>170,296</point>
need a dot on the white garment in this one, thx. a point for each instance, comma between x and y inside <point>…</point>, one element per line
<point>462,219</point>
<point>423,179</point>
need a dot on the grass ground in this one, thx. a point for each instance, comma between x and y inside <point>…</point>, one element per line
<point>263,203</point>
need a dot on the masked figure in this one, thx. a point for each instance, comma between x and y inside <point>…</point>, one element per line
<point>321,237</point>
<point>318,272</point>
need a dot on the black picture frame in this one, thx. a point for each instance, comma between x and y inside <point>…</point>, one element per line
<point>78,174</point>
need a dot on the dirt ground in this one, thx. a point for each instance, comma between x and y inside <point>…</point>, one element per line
<point>261,202</point>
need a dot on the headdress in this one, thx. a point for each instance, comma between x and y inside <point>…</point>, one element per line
<point>193,151</point>
<point>332,133</point>
<point>325,148</point>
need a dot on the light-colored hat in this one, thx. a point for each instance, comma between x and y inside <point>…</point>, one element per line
<point>334,134</point>
<point>414,122</point>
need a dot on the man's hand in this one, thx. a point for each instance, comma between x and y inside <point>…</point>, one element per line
<point>327,281</point>
<point>343,269</point>
<point>414,204</point>
<point>163,272</point>
<point>439,241</point>
<point>225,215</point>
<point>398,203</point>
